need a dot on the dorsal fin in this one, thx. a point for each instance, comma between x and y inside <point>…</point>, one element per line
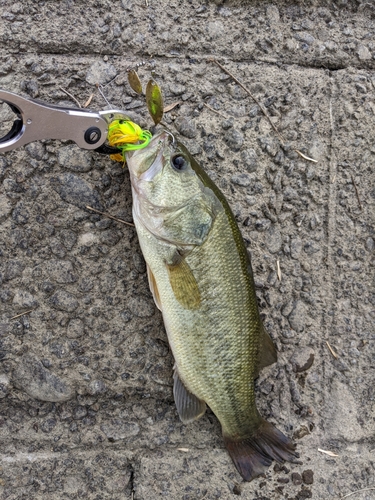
<point>153,288</point>
<point>267,351</point>
<point>189,407</point>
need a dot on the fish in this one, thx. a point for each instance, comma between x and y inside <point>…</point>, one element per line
<point>201,279</point>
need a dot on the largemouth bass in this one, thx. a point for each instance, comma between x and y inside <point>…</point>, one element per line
<point>201,279</point>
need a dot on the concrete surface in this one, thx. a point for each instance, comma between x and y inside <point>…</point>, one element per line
<point>86,406</point>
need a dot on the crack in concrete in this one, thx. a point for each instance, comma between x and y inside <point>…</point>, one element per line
<point>202,57</point>
<point>331,223</point>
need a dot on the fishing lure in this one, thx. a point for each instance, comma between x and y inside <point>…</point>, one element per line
<point>127,136</point>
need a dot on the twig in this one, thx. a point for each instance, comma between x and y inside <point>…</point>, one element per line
<point>172,106</point>
<point>357,491</point>
<point>281,139</point>
<point>214,110</point>
<point>109,216</point>
<point>110,81</point>
<point>278,269</point>
<point>22,314</point>
<point>332,351</point>
<point>304,156</point>
<point>263,109</point>
<point>356,192</point>
<point>88,102</point>
<point>327,452</point>
<point>71,96</point>
<point>104,97</point>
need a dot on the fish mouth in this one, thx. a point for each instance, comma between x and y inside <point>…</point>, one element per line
<point>146,163</point>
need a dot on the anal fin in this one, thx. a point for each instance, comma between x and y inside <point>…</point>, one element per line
<point>267,351</point>
<point>189,407</point>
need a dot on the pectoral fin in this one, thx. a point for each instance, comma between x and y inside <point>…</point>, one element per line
<point>184,284</point>
<point>189,407</point>
<point>153,288</point>
<point>267,351</point>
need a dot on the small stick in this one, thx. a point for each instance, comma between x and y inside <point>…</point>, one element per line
<point>110,81</point>
<point>109,216</point>
<point>214,110</point>
<point>332,351</point>
<point>88,102</point>
<point>171,106</point>
<point>355,492</point>
<point>304,156</point>
<point>281,139</point>
<point>253,98</point>
<point>22,314</point>
<point>104,97</point>
<point>183,449</point>
<point>329,453</point>
<point>278,269</point>
<point>71,96</point>
<point>356,191</point>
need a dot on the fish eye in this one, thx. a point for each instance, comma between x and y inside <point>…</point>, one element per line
<point>179,162</point>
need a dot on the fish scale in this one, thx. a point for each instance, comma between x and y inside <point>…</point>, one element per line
<point>201,278</point>
<point>215,337</point>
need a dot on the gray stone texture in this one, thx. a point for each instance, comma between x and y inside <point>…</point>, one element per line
<point>86,404</point>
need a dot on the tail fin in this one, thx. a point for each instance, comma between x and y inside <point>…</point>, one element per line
<point>252,454</point>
